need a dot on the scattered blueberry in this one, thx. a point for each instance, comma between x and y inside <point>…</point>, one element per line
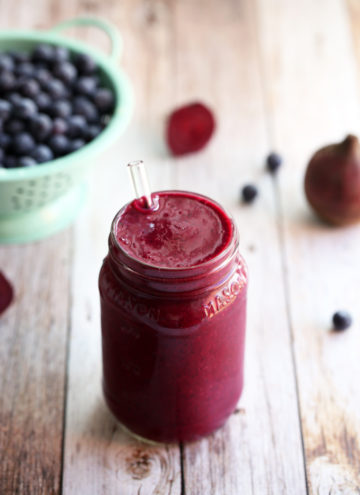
<point>85,64</point>
<point>273,162</point>
<point>342,320</point>
<point>249,193</point>
<point>104,100</point>
<point>42,153</point>
<point>23,143</point>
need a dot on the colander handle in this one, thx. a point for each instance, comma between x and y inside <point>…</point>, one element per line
<point>109,29</point>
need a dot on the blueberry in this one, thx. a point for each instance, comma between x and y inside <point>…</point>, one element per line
<point>249,193</point>
<point>65,71</point>
<point>5,140</point>
<point>2,154</point>
<point>61,54</point>
<point>61,108</point>
<point>43,76</point>
<point>273,162</point>
<point>26,161</point>
<point>341,320</point>
<point>10,161</point>
<point>41,126</point>
<point>86,85</point>
<point>23,143</point>
<point>25,69</point>
<point>25,108</point>
<point>5,109</point>
<point>42,153</point>
<point>85,64</point>
<point>29,87</point>
<point>19,57</point>
<point>59,144</point>
<point>14,97</point>
<point>60,126</point>
<point>105,119</point>
<point>104,100</point>
<point>7,81</point>
<point>6,62</point>
<point>43,53</point>
<point>14,126</point>
<point>43,102</point>
<point>83,106</point>
<point>75,145</point>
<point>77,126</point>
<point>92,131</point>
<point>55,88</point>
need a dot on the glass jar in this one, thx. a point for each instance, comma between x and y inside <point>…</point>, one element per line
<point>172,342</point>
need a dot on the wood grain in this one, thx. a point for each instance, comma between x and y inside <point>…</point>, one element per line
<point>313,99</point>
<point>259,450</point>
<point>33,334</point>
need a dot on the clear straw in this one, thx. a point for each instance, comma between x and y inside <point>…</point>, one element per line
<point>140,181</point>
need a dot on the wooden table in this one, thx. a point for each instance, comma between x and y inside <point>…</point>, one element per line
<point>282,75</point>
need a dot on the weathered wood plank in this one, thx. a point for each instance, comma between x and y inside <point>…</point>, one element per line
<point>312,94</point>
<point>33,335</point>
<point>99,456</point>
<point>259,450</point>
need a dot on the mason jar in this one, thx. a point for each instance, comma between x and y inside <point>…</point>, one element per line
<point>173,339</point>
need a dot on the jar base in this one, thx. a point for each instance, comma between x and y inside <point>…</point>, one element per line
<point>194,438</point>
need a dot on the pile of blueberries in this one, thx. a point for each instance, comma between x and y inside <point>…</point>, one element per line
<point>51,104</point>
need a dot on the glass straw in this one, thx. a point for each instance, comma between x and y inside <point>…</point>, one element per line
<point>140,181</point>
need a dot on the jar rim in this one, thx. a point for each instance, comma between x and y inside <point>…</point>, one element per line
<point>225,251</point>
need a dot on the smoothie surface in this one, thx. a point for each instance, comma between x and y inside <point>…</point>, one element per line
<point>186,230</point>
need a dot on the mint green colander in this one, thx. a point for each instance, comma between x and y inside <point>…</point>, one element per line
<point>38,201</point>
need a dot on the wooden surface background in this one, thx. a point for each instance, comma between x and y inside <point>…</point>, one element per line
<point>280,74</point>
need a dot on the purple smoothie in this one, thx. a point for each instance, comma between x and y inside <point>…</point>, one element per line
<point>173,306</point>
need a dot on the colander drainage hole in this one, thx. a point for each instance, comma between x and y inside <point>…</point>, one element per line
<point>20,190</point>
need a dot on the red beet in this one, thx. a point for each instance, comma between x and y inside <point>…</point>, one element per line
<point>189,128</point>
<point>6,293</point>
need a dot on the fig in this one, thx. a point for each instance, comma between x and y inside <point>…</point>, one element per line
<point>332,182</point>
